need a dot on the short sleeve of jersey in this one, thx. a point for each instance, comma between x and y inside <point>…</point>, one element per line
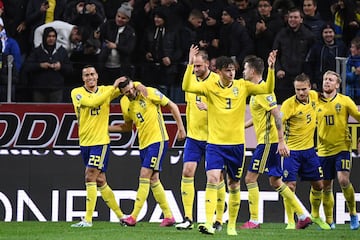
<point>157,97</point>
<point>267,101</point>
<point>286,109</point>
<point>124,104</point>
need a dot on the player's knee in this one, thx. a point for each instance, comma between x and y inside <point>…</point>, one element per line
<point>344,182</point>
<point>251,178</point>
<point>188,172</point>
<point>275,182</point>
<point>317,185</point>
<point>291,185</point>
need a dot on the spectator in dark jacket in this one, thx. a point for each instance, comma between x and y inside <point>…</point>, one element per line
<point>88,14</point>
<point>234,39</point>
<point>47,66</point>
<point>162,52</point>
<point>39,12</point>
<point>312,18</point>
<point>118,39</point>
<point>323,55</point>
<point>353,71</point>
<point>268,24</point>
<point>293,44</point>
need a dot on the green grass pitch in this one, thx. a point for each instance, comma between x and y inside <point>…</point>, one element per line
<point>31,230</point>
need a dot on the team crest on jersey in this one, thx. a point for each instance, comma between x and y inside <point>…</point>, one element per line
<point>142,103</point>
<point>338,107</point>
<point>236,91</point>
<point>78,97</point>
<point>313,104</point>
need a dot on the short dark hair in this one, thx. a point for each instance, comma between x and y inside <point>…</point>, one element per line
<point>125,83</point>
<point>255,62</point>
<point>302,77</point>
<point>223,62</point>
<point>88,66</point>
<point>203,55</point>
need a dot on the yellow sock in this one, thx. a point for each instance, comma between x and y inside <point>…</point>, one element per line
<point>328,204</point>
<point>349,195</point>
<point>91,197</point>
<point>108,195</point>
<point>220,205</point>
<point>141,196</point>
<point>210,201</point>
<point>234,206</point>
<point>253,190</point>
<point>315,202</point>
<point>187,195</point>
<point>290,202</point>
<point>160,197</point>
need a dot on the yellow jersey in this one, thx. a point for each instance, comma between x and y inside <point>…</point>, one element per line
<point>332,116</point>
<point>263,121</point>
<point>299,120</point>
<point>196,119</point>
<point>227,105</point>
<point>92,111</point>
<point>145,113</point>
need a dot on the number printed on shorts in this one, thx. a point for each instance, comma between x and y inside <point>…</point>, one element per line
<point>153,162</point>
<point>345,164</point>
<point>239,173</point>
<point>94,160</point>
<point>256,165</point>
<point>321,172</point>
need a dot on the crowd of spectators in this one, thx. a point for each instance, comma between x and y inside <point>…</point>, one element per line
<point>148,40</point>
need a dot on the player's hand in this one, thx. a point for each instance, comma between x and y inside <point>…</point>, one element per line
<point>181,134</point>
<point>142,89</point>
<point>118,81</point>
<point>283,149</point>
<point>201,106</point>
<point>192,52</point>
<point>272,59</point>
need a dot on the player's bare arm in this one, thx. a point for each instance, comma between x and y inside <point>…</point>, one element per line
<point>283,149</point>
<point>123,127</point>
<point>181,133</point>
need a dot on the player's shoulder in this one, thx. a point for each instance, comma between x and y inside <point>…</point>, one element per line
<point>154,92</point>
<point>78,92</point>
<point>289,101</point>
<point>213,76</point>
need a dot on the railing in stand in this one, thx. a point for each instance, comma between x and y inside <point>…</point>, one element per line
<point>341,69</point>
<point>10,60</point>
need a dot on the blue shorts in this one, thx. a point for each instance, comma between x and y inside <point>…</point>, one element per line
<point>336,163</point>
<point>302,163</point>
<point>265,159</point>
<point>153,155</point>
<point>96,156</point>
<point>230,157</point>
<point>194,150</point>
